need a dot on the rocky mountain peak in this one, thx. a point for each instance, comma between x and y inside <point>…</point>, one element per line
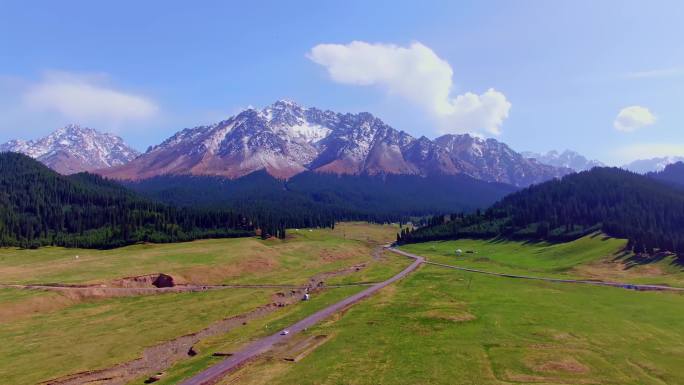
<point>73,148</point>
<point>568,159</point>
<point>285,138</point>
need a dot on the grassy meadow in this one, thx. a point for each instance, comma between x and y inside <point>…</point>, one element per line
<point>593,257</point>
<point>436,326</point>
<point>440,326</point>
<point>68,335</point>
<point>238,260</point>
<point>98,334</point>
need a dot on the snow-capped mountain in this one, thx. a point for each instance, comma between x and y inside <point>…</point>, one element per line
<point>568,159</point>
<point>286,139</point>
<point>643,166</point>
<point>73,149</point>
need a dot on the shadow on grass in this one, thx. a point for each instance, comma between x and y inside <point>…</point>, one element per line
<point>633,260</point>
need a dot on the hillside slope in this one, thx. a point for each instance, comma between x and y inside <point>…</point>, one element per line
<point>310,194</point>
<point>40,207</point>
<point>623,204</point>
<point>672,173</point>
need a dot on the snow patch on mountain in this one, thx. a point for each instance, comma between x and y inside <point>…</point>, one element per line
<point>643,166</point>
<point>286,138</point>
<point>568,159</point>
<point>73,149</point>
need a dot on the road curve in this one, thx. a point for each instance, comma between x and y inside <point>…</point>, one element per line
<point>561,280</point>
<point>214,373</point>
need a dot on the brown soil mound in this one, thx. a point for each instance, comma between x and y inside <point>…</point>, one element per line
<point>148,280</point>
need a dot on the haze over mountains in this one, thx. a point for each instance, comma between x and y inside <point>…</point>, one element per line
<point>75,149</point>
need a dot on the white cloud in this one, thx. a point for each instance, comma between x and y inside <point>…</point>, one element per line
<point>633,118</point>
<point>418,75</point>
<point>82,98</point>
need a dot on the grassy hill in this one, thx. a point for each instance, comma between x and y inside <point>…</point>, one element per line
<point>648,213</point>
<point>40,207</point>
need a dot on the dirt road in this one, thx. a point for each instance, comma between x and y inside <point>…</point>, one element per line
<point>215,373</point>
<point>561,280</point>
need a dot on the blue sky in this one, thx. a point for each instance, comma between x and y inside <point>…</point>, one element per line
<point>560,72</point>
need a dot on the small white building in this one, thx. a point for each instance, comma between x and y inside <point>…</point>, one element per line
<point>459,251</point>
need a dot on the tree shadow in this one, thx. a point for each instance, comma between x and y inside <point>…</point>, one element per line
<point>633,260</point>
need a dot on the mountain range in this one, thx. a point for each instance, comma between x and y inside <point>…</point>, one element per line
<point>643,166</point>
<point>74,149</point>
<point>285,139</point>
<point>566,159</point>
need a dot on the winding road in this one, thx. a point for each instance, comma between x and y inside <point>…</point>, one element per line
<point>214,373</point>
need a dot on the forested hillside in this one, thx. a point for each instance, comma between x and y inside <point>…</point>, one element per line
<point>672,174</point>
<point>618,202</point>
<point>40,207</point>
<point>315,199</point>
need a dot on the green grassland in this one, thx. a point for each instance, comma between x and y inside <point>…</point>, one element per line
<point>98,334</point>
<point>436,326</point>
<point>440,326</point>
<point>595,257</point>
<point>67,335</point>
<point>237,260</point>
<point>237,338</point>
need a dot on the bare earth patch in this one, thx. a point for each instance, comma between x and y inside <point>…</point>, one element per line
<point>33,306</point>
<point>219,273</point>
<point>566,364</point>
<point>450,315</point>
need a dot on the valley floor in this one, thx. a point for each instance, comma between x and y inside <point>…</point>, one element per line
<point>436,325</point>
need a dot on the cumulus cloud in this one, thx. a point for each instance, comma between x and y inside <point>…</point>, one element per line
<point>418,75</point>
<point>633,118</point>
<point>81,97</point>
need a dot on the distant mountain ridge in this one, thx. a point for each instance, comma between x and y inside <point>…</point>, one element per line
<point>672,173</point>
<point>567,159</point>
<point>643,166</point>
<point>74,149</point>
<point>286,139</point>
